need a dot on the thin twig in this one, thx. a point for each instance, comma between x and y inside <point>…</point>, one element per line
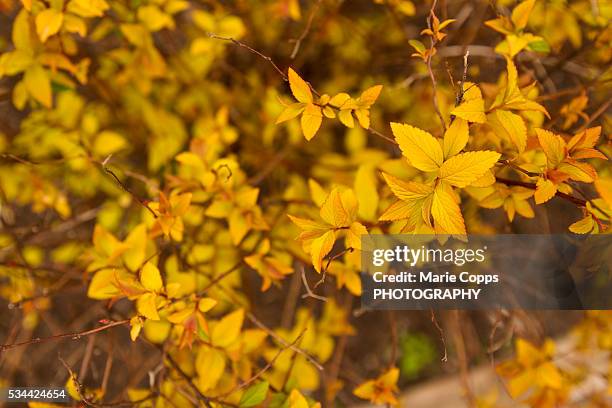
<point>73,336</point>
<point>309,292</point>
<point>302,36</point>
<point>126,189</point>
<point>191,385</point>
<point>283,342</point>
<point>442,339</point>
<point>251,50</point>
<point>267,366</point>
<point>575,200</point>
<point>429,68</point>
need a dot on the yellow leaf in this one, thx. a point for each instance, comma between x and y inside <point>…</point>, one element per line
<point>554,147</point>
<point>290,112</point>
<point>299,87</point>
<point>380,390</point>
<point>72,386</point>
<point>226,331</point>
<point>487,179</point>
<point>369,96</point>
<point>210,365</point>
<point>205,304</point>
<point>367,194</point>
<point>108,142</point>
<point>346,117</point>
<point>308,225</point>
<point>513,97</point>
<point>135,327</point>
<point>520,14</point>
<point>604,188</point>
<point>421,149</point>
<point>545,190</point>
<point>472,106</point>
<point>150,277</point>
<point>22,40</point>
<point>38,84</point>
<point>339,99</point>
<point>320,247</point>
<point>88,8</point>
<point>146,305</point>
<point>519,384</point>
<point>317,193</point>
<point>238,225</point>
<point>353,235</point>
<point>27,4</point>
<point>311,120</point>
<point>102,285</point>
<point>583,226</point>
<point>578,171</point>
<point>523,207</point>
<point>339,209</point>
<point>296,400</point>
<point>465,168</point>
<point>75,24</point>
<point>135,245</point>
<point>407,190</point>
<point>401,210</point>
<point>153,18</point>
<point>445,210</point>
<point>48,23</point>
<point>455,137</point>
<point>509,126</point>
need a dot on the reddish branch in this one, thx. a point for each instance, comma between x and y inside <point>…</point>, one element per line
<point>575,200</point>
<point>429,68</point>
<point>73,336</point>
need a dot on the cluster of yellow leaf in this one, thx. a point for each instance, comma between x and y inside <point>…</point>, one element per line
<point>39,56</point>
<point>534,370</point>
<point>381,390</point>
<point>169,212</point>
<point>500,116</point>
<point>313,111</point>
<point>317,338</point>
<point>436,34</point>
<point>513,28</point>
<point>513,199</point>
<point>338,214</point>
<point>432,206</point>
<point>269,266</point>
<point>563,165</point>
<point>562,161</point>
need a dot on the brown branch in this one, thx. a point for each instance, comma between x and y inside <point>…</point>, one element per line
<point>77,384</point>
<point>302,36</point>
<point>519,168</point>
<point>429,68</point>
<point>602,109</point>
<point>575,200</point>
<point>309,292</point>
<point>127,190</point>
<point>442,339</point>
<point>252,51</point>
<point>266,367</point>
<point>282,341</point>
<point>286,79</point>
<point>73,336</point>
<point>191,385</point>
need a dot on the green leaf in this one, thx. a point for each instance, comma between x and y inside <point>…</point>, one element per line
<point>254,395</point>
<point>539,46</point>
<point>417,45</point>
